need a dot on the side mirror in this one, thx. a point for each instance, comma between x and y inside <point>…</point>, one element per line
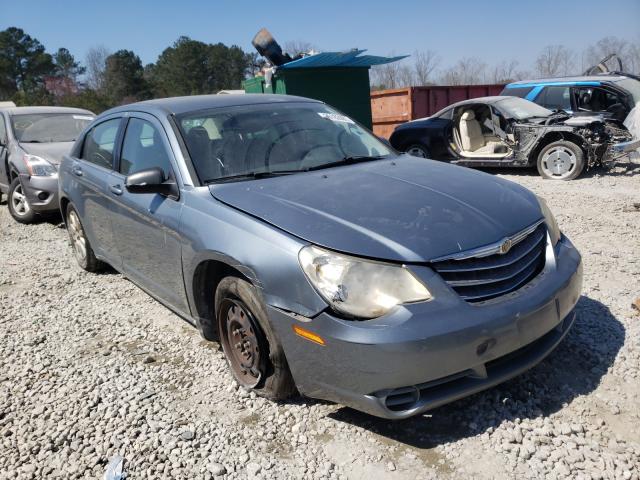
<point>150,180</point>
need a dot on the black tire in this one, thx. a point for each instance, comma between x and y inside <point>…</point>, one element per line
<point>86,260</point>
<point>418,150</point>
<point>18,205</point>
<point>273,379</point>
<point>569,158</point>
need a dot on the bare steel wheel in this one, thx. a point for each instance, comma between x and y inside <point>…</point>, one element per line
<point>241,342</point>
<point>561,160</point>
<point>254,354</point>
<point>81,247</point>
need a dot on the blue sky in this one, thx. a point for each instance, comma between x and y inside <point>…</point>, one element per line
<point>490,30</point>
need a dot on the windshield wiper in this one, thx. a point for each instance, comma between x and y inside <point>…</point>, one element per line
<point>350,160</point>
<point>252,176</point>
<point>275,173</point>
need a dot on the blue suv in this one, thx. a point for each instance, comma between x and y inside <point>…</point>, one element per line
<point>612,94</point>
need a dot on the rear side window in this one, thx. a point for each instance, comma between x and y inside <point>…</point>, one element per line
<point>100,142</point>
<point>555,98</point>
<point>143,148</point>
<point>516,91</point>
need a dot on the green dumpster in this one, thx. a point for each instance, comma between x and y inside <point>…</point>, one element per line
<point>340,79</point>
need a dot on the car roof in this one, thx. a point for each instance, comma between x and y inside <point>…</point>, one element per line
<point>488,100</point>
<point>45,109</point>
<point>568,80</point>
<point>179,105</point>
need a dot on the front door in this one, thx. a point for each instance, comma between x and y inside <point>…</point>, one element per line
<point>146,226</point>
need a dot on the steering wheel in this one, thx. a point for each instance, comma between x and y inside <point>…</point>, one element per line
<point>304,163</point>
<point>99,158</point>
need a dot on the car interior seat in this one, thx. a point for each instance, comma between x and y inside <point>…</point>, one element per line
<point>474,142</point>
<point>200,150</point>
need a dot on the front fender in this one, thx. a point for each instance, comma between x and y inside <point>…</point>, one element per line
<point>267,256</point>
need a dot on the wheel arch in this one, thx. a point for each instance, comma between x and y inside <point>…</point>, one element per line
<point>554,137</point>
<point>64,203</point>
<point>205,279</point>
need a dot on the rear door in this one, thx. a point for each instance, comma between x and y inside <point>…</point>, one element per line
<point>87,190</point>
<point>4,151</point>
<point>147,225</point>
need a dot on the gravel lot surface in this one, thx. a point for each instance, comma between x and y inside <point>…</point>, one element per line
<point>91,367</point>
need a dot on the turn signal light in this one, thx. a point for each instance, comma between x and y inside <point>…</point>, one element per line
<point>313,337</point>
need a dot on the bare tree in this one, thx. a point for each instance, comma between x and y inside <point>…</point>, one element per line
<point>504,72</point>
<point>406,76</point>
<point>425,64</point>
<point>96,63</point>
<point>386,75</point>
<point>554,61</point>
<point>295,47</point>
<point>468,71</point>
<point>628,52</point>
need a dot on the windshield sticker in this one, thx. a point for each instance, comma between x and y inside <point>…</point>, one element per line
<point>83,117</point>
<point>336,117</point>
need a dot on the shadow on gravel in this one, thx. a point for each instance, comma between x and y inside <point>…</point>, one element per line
<point>623,168</point>
<point>574,368</point>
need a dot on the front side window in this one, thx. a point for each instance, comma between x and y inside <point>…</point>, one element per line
<point>100,142</point>
<point>263,138</point>
<point>555,98</point>
<point>49,127</point>
<point>143,148</point>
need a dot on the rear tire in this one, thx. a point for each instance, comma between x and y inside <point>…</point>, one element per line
<point>418,150</point>
<point>254,355</point>
<point>561,160</point>
<point>80,243</point>
<point>19,207</point>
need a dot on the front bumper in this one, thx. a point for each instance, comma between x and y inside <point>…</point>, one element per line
<point>424,355</point>
<point>626,147</point>
<point>41,192</point>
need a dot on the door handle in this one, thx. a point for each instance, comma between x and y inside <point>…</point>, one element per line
<point>116,189</point>
<point>77,171</point>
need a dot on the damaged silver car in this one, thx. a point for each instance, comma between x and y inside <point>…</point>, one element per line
<point>513,132</point>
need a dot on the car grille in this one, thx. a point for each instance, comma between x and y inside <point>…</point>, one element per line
<point>479,278</point>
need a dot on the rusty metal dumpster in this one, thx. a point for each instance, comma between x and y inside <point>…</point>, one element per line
<point>390,108</point>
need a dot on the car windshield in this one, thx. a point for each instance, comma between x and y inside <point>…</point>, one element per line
<point>242,141</point>
<point>633,86</point>
<point>519,108</point>
<point>49,127</point>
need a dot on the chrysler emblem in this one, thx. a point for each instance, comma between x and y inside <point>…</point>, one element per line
<point>505,247</point>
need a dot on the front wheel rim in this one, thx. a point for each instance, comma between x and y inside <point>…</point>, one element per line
<point>559,162</point>
<point>78,241</point>
<point>19,202</point>
<point>241,342</point>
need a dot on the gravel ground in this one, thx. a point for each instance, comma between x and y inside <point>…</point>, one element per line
<point>91,367</point>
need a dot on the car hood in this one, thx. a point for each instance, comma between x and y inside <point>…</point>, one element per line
<point>51,152</point>
<point>407,209</point>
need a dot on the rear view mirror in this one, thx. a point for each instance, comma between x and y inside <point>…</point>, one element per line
<point>150,180</point>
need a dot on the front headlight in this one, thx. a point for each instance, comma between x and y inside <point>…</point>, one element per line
<point>550,220</point>
<point>38,166</point>
<point>360,288</point>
